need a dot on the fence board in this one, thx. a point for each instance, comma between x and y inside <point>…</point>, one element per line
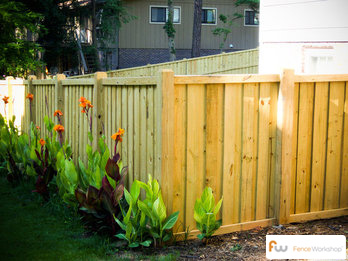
<point>180,133</point>
<point>334,145</point>
<point>319,145</point>
<point>195,147</point>
<point>263,168</point>
<point>344,169</point>
<point>214,139</point>
<point>249,159</point>
<point>232,153</point>
<point>304,150</point>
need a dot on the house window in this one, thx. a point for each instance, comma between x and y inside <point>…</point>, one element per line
<point>159,14</point>
<point>209,15</point>
<point>251,18</point>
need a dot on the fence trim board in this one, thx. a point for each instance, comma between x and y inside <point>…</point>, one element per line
<point>151,80</point>
<point>321,78</point>
<point>44,82</point>
<point>215,79</point>
<point>303,217</point>
<point>233,228</point>
<point>72,82</point>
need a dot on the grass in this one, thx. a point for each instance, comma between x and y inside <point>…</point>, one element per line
<point>31,229</point>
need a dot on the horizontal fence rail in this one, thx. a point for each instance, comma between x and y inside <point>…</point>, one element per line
<point>275,147</point>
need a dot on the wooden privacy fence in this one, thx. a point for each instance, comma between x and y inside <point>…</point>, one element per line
<point>275,147</point>
<point>226,63</point>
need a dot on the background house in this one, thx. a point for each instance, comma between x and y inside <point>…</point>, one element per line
<point>309,36</point>
<point>143,40</point>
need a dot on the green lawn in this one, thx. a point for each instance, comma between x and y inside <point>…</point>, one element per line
<point>31,229</point>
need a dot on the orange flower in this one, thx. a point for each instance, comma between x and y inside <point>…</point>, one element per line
<point>5,99</point>
<point>118,135</point>
<point>42,142</point>
<point>57,112</point>
<point>85,104</point>
<point>82,99</point>
<point>83,110</point>
<point>37,127</point>
<point>30,96</point>
<point>59,128</point>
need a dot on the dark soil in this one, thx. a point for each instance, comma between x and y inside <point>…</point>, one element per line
<point>246,245</point>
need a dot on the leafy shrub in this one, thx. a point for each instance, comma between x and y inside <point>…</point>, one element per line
<point>205,214</point>
<point>146,218</point>
<point>134,220</point>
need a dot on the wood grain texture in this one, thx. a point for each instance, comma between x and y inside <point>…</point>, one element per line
<point>334,145</point>
<point>249,156</point>
<point>180,138</point>
<point>232,154</point>
<point>264,151</point>
<point>344,177</point>
<point>304,151</point>
<point>195,148</point>
<point>286,120</point>
<point>319,145</point>
<point>214,139</point>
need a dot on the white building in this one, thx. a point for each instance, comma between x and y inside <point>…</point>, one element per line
<point>310,36</point>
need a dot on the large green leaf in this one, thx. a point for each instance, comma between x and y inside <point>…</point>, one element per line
<point>146,243</point>
<point>217,207</point>
<point>122,236</point>
<point>135,190</point>
<point>171,220</point>
<point>123,226</point>
<point>159,208</point>
<point>134,244</point>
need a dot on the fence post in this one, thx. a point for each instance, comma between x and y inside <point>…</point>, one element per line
<point>31,89</point>
<point>285,138</point>
<point>167,138</point>
<point>98,113</point>
<point>10,94</point>
<point>59,95</point>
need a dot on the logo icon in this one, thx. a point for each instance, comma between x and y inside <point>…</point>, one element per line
<point>273,244</point>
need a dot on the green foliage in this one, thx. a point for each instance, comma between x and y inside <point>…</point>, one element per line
<point>134,221</point>
<point>101,186</point>
<point>205,214</point>
<point>226,29</point>
<point>152,216</point>
<point>18,56</point>
<point>67,179</point>
<point>252,4</point>
<point>10,144</point>
<point>95,171</point>
<point>113,15</point>
<point>155,210</point>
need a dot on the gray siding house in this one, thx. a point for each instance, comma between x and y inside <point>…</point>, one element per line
<point>143,40</point>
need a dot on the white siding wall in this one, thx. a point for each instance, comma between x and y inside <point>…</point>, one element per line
<point>310,36</point>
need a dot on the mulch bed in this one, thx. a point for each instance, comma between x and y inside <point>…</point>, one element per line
<point>246,245</point>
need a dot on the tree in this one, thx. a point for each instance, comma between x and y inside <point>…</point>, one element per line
<point>112,15</point>
<point>197,25</point>
<point>18,55</point>
<point>252,4</point>
<point>226,29</point>
<point>170,30</point>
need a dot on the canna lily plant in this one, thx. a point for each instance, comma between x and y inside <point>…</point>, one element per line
<point>44,170</point>
<point>205,212</point>
<point>100,198</point>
